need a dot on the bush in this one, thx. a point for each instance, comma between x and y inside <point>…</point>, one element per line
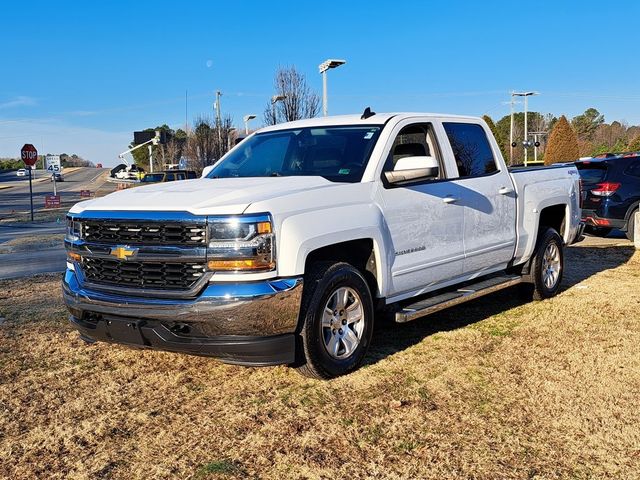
<point>562,145</point>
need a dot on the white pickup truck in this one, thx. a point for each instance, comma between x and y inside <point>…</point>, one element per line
<point>283,252</point>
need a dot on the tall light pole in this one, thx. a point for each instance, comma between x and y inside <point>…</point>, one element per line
<point>323,67</point>
<point>247,119</point>
<point>275,99</point>
<point>526,95</point>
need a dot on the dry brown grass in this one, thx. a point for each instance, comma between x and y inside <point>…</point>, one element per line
<point>25,243</point>
<point>491,389</point>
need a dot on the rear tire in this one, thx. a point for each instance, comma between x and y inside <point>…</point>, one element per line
<point>547,266</point>
<point>631,225</point>
<point>337,315</point>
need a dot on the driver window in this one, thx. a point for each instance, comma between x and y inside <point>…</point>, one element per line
<point>417,140</point>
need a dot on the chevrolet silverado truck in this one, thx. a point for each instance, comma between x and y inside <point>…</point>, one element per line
<point>285,250</point>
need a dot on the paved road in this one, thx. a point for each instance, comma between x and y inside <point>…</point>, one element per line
<point>21,264</point>
<point>25,264</point>
<point>16,198</point>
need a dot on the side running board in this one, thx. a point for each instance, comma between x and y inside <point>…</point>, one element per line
<point>455,297</point>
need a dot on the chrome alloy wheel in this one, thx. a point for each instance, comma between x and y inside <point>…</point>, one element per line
<point>342,323</point>
<point>551,265</point>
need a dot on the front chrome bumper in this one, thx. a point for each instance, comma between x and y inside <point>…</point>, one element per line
<point>263,308</point>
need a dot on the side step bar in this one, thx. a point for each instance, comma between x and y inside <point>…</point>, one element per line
<point>455,297</point>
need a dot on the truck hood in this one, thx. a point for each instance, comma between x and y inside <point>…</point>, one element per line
<point>203,196</point>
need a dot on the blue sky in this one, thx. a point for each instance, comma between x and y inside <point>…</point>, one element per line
<point>80,77</point>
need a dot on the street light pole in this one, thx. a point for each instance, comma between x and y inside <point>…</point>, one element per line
<point>247,119</point>
<point>275,99</point>
<point>525,143</point>
<point>323,67</point>
<point>511,132</point>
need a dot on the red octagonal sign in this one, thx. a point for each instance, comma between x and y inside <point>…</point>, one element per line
<point>29,154</point>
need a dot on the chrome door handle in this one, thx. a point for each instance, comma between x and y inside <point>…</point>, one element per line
<point>505,190</point>
<point>450,199</point>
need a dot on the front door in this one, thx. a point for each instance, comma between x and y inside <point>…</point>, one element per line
<point>424,218</point>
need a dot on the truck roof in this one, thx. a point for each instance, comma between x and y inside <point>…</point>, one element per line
<point>376,119</point>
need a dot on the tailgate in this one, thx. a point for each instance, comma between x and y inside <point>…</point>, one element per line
<point>591,174</point>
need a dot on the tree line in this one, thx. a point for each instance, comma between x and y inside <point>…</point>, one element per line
<point>585,135</point>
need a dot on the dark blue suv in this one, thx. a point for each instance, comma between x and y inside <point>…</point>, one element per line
<point>611,192</point>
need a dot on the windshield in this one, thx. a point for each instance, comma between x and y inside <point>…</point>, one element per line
<point>339,154</point>
<point>153,177</point>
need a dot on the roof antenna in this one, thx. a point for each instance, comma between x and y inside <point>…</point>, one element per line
<point>367,113</point>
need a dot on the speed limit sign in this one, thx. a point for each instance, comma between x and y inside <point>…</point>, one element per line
<point>52,163</point>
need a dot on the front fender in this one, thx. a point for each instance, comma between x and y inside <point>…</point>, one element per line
<point>302,233</point>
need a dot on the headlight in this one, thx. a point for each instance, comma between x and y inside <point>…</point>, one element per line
<point>243,244</point>
<point>74,230</point>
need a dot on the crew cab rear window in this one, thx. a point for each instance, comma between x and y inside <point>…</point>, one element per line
<point>471,149</point>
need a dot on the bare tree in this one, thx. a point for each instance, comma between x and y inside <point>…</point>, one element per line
<point>200,148</point>
<point>208,141</point>
<point>299,102</point>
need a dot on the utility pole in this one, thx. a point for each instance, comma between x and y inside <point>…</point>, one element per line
<point>218,117</point>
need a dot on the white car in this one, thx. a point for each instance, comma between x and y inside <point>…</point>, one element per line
<point>21,172</point>
<point>282,253</point>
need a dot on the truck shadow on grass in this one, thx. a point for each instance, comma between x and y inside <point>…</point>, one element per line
<point>581,263</point>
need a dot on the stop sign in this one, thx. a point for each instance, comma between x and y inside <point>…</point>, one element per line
<point>29,154</point>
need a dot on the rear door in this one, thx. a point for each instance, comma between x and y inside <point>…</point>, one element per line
<point>488,197</point>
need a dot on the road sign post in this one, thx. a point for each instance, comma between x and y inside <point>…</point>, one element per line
<point>29,156</point>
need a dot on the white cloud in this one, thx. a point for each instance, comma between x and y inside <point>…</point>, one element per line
<point>53,136</point>
<point>20,101</point>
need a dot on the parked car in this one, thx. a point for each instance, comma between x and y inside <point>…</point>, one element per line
<point>282,253</point>
<point>127,172</point>
<point>57,176</point>
<point>22,172</point>
<point>611,189</point>
<point>168,176</point>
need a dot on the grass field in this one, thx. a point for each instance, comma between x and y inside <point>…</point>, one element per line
<point>495,389</point>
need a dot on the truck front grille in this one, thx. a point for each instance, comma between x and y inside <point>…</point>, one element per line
<point>144,233</point>
<point>144,275</point>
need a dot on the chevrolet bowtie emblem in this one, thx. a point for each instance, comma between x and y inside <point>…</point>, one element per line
<point>122,253</point>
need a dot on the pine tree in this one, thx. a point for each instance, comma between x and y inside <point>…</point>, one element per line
<point>562,145</point>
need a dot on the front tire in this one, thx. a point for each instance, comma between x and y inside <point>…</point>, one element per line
<point>547,266</point>
<point>337,320</point>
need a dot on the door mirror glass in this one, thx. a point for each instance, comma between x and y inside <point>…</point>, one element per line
<point>414,168</point>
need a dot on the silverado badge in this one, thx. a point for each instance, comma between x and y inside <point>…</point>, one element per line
<point>122,253</point>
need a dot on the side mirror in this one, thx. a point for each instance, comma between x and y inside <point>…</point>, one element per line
<point>409,169</point>
<point>206,170</point>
